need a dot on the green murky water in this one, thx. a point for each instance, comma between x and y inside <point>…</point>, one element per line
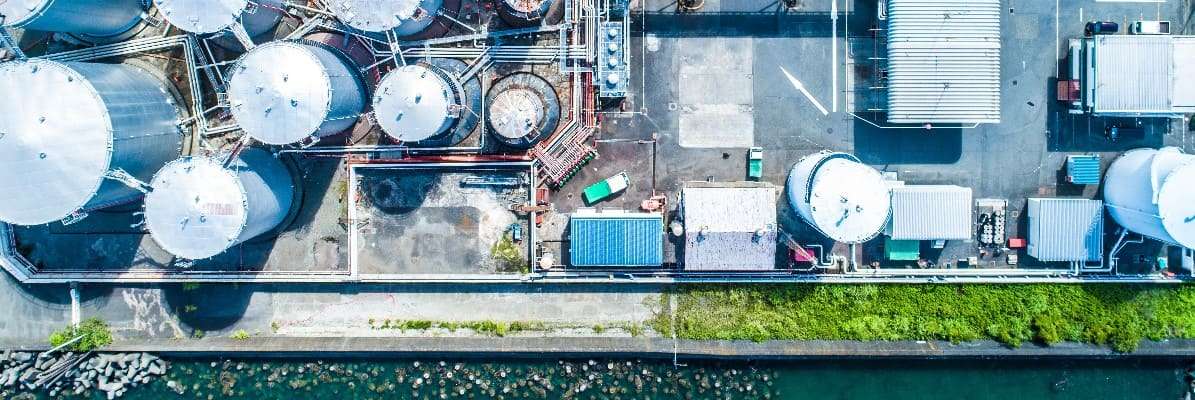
<point>656,379</point>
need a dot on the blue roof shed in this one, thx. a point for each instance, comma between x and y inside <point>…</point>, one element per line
<point>1083,170</point>
<point>616,240</point>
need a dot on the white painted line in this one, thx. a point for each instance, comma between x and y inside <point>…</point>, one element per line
<point>1130,1</point>
<point>801,87</point>
<point>1057,39</point>
<point>833,53</point>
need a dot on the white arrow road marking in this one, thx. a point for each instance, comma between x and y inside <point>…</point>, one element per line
<point>801,87</point>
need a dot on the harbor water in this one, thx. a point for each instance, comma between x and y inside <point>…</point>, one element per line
<point>258,379</point>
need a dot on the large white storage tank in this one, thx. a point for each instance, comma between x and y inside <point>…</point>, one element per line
<point>1152,192</point>
<point>211,16</point>
<point>65,127</point>
<point>199,208</point>
<point>417,101</point>
<point>840,196</point>
<point>94,18</point>
<point>285,92</point>
<point>403,17</point>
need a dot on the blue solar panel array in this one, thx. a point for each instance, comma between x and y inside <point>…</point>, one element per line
<point>616,241</point>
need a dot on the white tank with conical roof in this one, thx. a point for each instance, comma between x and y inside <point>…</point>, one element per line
<point>285,92</point>
<point>67,127</point>
<point>416,102</point>
<point>840,196</point>
<point>93,18</point>
<point>199,208</point>
<point>211,16</point>
<point>1152,192</point>
<point>404,17</point>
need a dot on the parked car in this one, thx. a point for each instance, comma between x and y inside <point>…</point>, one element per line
<point>1119,130</point>
<point>1101,28</point>
<point>1150,28</point>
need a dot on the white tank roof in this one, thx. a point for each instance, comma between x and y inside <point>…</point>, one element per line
<point>1152,192</point>
<point>374,15</point>
<point>516,113</point>
<point>202,16</point>
<point>54,150</point>
<point>1176,205</point>
<point>412,103</point>
<point>280,93</point>
<point>17,11</point>
<point>850,201</point>
<point>197,208</point>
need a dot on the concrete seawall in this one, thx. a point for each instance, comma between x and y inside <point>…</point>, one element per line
<point>533,347</point>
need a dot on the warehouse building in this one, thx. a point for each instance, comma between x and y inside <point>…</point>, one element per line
<point>1070,230</point>
<point>944,61</point>
<point>729,226</point>
<point>931,212</point>
<point>1137,75</point>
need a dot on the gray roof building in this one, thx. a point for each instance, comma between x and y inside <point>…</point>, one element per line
<point>931,212</point>
<point>729,226</point>
<point>944,61</point>
<point>1066,229</point>
<point>1139,75</point>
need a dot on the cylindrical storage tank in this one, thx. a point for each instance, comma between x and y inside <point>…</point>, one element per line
<point>95,18</point>
<point>523,12</point>
<point>65,126</point>
<point>404,17</point>
<point>285,92</point>
<point>1152,192</point>
<point>211,16</point>
<point>417,102</point>
<point>522,109</point>
<point>199,208</point>
<point>840,196</point>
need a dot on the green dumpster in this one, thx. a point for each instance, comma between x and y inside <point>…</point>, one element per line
<point>902,250</point>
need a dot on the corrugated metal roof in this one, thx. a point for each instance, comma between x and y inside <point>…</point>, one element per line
<point>944,61</point>
<point>1133,74</point>
<point>1084,169</point>
<point>931,212</point>
<point>616,240</point>
<point>1066,229</point>
<point>721,224</point>
<point>1184,66</point>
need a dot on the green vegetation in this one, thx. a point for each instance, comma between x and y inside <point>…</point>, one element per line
<point>240,334</point>
<point>510,258</point>
<point>495,328</point>
<point>94,331</point>
<point>1118,315</point>
<point>190,286</point>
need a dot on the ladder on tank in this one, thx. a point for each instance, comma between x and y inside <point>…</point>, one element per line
<point>7,42</point>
